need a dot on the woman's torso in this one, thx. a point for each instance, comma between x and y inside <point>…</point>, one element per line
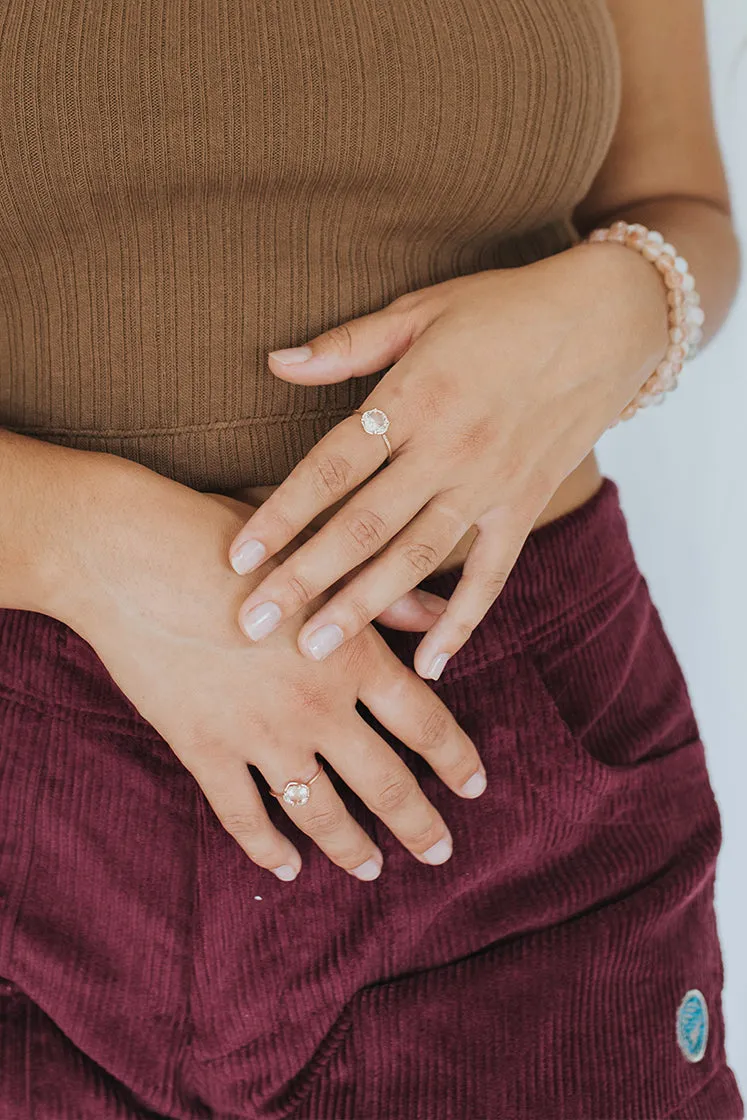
<point>186,186</point>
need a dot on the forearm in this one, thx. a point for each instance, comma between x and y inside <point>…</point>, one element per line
<point>48,507</point>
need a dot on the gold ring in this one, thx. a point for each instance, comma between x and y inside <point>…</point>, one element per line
<point>295,792</point>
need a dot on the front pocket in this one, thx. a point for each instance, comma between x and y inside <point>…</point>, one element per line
<point>658,787</point>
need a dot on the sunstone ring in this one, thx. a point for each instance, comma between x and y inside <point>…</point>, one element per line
<point>297,793</point>
<point>376,422</point>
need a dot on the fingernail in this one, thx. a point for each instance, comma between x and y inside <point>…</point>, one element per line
<point>261,621</point>
<point>475,785</point>
<point>436,667</point>
<point>371,869</point>
<point>438,852</point>
<point>285,872</point>
<point>247,556</point>
<point>293,355</point>
<point>322,641</point>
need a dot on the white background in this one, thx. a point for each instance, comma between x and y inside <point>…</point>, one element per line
<point>682,472</point>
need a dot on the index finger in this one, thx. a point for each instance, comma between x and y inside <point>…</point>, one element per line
<point>343,459</point>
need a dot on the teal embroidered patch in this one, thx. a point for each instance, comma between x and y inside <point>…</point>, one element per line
<point>692,1025</point>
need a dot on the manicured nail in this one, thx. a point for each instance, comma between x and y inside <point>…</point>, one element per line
<point>371,869</point>
<point>438,852</point>
<point>285,872</point>
<point>322,641</point>
<point>247,556</point>
<point>475,785</point>
<point>292,356</point>
<point>261,621</point>
<point>436,667</point>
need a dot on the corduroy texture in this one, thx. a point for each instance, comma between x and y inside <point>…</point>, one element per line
<point>152,970</point>
<point>186,185</point>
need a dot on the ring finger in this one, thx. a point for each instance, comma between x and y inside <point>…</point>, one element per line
<point>411,556</point>
<point>325,818</point>
<point>355,533</point>
<point>344,458</point>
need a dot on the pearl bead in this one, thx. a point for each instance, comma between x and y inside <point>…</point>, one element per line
<point>651,252</point>
<point>696,315</point>
<point>688,282</point>
<point>669,250</point>
<point>676,298</point>
<point>677,335</point>
<point>676,353</point>
<point>681,265</point>
<point>656,237</point>
<point>665,262</point>
<point>598,235</point>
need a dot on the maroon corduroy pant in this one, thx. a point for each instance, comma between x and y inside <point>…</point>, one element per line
<point>150,969</point>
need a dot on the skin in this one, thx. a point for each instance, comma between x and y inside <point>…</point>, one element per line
<point>513,378</point>
<point>501,381</point>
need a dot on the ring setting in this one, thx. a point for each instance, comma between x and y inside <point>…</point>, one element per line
<point>295,792</point>
<point>375,422</point>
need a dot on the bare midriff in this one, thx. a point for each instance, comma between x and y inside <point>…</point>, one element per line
<point>573,491</point>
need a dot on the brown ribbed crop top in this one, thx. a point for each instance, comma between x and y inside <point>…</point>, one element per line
<point>188,184</point>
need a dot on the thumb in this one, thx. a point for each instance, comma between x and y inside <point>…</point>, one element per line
<point>352,349</point>
<point>415,611</point>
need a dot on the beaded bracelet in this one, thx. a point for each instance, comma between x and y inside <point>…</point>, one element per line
<point>685,313</point>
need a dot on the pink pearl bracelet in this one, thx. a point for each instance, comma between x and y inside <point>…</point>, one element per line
<point>685,313</point>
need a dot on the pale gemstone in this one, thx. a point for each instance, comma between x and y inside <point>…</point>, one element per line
<point>296,793</point>
<point>375,422</point>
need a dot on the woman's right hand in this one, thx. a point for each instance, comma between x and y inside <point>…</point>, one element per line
<point>156,598</point>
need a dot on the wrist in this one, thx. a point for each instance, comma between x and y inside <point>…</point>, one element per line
<point>72,528</point>
<point>627,299</point>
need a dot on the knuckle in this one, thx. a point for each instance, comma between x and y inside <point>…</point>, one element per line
<point>300,589</point>
<point>246,825</point>
<point>463,630</point>
<point>311,698</point>
<point>331,476</point>
<point>435,729</point>
<point>421,558</point>
<point>420,839</point>
<point>356,655</point>
<point>366,530</point>
<point>340,338</point>
<point>395,792</point>
<point>493,583</point>
<point>323,821</point>
<point>473,437</point>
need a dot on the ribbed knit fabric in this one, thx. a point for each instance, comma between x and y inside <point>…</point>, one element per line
<point>188,184</point>
<point>153,971</point>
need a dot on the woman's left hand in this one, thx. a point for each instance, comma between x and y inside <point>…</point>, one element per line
<point>502,383</point>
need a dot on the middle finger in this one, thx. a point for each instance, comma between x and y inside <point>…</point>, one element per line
<point>356,532</point>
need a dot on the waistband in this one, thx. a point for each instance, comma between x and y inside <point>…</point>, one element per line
<point>574,564</point>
